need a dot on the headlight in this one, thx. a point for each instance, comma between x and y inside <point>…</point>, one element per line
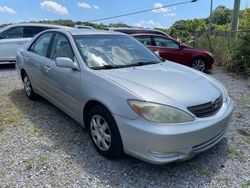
<point>159,113</point>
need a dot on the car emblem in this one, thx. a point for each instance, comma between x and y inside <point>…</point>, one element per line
<point>215,104</point>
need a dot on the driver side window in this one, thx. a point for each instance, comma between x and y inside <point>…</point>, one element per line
<point>61,47</point>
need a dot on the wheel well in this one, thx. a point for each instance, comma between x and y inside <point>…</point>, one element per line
<point>23,73</point>
<point>87,107</point>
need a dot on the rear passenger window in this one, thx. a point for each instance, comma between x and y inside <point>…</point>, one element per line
<point>145,40</point>
<point>61,48</point>
<point>31,31</point>
<point>12,33</point>
<point>41,45</point>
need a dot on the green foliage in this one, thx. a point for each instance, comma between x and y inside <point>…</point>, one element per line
<point>221,15</point>
<point>244,19</point>
<point>221,21</point>
<point>238,56</point>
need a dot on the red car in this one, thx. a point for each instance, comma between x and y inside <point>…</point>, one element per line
<point>172,50</point>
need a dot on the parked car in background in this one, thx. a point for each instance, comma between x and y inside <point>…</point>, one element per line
<point>16,36</point>
<point>135,30</point>
<point>124,95</point>
<point>169,49</point>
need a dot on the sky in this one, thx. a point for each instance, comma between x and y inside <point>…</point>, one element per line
<point>15,11</point>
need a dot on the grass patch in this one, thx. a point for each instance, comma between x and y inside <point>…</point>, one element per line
<point>41,162</point>
<point>38,130</point>
<point>245,100</point>
<point>245,184</point>
<point>247,140</point>
<point>29,165</point>
<point>9,114</point>
<point>198,169</point>
<point>237,154</point>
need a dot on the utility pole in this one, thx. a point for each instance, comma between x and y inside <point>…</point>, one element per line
<point>210,18</point>
<point>235,17</point>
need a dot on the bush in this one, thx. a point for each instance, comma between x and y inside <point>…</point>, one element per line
<point>237,58</point>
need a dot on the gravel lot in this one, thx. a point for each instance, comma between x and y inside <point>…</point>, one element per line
<point>41,146</point>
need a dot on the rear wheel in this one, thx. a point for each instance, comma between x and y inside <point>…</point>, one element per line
<point>104,133</point>
<point>28,88</point>
<point>199,64</point>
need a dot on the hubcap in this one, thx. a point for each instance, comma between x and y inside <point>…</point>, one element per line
<point>27,85</point>
<point>199,65</point>
<point>100,132</point>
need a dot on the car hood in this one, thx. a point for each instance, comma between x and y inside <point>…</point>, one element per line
<point>167,83</point>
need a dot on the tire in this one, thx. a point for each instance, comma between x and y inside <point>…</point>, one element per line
<point>104,133</point>
<point>199,64</point>
<point>28,88</point>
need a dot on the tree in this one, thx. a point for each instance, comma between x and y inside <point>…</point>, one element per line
<point>221,15</point>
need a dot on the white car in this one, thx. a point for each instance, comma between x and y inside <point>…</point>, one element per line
<point>16,36</point>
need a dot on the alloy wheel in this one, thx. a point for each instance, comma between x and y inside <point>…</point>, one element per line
<point>199,64</point>
<point>100,132</point>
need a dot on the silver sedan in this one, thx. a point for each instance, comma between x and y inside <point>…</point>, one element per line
<point>129,100</point>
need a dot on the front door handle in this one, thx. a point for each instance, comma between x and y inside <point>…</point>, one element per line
<point>26,58</point>
<point>47,68</point>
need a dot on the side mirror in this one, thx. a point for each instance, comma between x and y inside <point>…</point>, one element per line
<point>181,46</point>
<point>66,62</point>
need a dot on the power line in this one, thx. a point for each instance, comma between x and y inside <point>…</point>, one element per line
<point>141,11</point>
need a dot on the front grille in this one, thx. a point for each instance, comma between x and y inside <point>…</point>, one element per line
<point>207,109</point>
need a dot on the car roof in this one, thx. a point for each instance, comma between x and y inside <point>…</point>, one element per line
<point>136,30</point>
<point>150,34</point>
<point>38,24</point>
<point>90,32</point>
<point>132,28</point>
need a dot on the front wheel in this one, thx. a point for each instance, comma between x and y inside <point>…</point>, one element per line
<point>199,64</point>
<point>104,133</point>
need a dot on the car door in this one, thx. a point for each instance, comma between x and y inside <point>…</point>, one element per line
<point>35,58</point>
<point>10,40</point>
<point>63,83</point>
<point>168,49</point>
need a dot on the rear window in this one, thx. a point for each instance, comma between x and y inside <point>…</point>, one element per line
<point>31,31</point>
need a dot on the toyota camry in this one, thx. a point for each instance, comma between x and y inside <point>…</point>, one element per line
<point>124,95</point>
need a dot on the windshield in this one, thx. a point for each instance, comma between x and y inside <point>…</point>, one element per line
<point>113,51</point>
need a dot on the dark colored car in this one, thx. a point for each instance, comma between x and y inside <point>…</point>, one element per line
<point>169,49</point>
<point>135,30</point>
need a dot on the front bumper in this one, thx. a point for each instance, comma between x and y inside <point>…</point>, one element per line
<point>159,143</point>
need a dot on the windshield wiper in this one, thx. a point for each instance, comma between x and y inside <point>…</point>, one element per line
<point>141,63</point>
<point>107,67</point>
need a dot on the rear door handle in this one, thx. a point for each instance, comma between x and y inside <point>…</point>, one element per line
<point>47,68</point>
